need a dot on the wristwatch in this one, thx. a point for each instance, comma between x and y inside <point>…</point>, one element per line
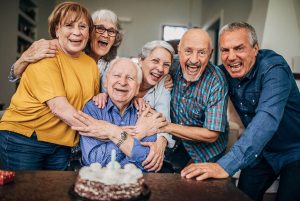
<point>123,137</point>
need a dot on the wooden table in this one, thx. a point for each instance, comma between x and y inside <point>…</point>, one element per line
<point>54,185</point>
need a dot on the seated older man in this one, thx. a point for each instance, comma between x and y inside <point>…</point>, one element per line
<point>100,137</point>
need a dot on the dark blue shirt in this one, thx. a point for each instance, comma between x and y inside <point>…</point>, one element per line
<point>267,100</point>
<point>95,150</point>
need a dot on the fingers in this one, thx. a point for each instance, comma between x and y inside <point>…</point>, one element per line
<point>150,155</point>
<point>203,176</point>
<point>83,118</point>
<point>100,100</point>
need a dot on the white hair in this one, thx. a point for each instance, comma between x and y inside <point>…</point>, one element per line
<point>138,69</point>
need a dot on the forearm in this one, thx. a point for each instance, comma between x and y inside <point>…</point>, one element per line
<point>243,153</point>
<point>63,110</point>
<point>115,135</point>
<point>192,133</point>
<point>19,67</point>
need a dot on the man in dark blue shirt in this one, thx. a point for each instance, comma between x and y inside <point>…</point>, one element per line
<point>267,99</point>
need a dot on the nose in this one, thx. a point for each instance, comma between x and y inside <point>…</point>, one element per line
<point>105,33</point>
<point>76,30</point>
<point>123,80</point>
<point>194,57</point>
<point>160,67</point>
<point>231,55</point>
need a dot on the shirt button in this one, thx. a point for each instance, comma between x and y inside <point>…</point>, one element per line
<point>246,115</point>
<point>255,155</point>
<point>122,122</point>
<point>239,86</point>
<point>181,111</point>
<point>241,103</point>
<point>181,123</point>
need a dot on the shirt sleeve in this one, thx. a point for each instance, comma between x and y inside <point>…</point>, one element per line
<point>162,105</point>
<point>276,87</point>
<point>216,111</point>
<point>44,80</point>
<point>139,152</point>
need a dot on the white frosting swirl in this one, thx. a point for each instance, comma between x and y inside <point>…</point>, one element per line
<point>108,175</point>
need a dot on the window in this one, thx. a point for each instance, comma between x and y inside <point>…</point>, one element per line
<point>173,32</point>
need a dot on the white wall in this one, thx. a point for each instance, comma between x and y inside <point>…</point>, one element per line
<point>257,17</point>
<point>147,18</point>
<point>281,32</point>
<point>8,46</point>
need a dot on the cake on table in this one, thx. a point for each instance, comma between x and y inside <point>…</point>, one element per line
<point>109,183</point>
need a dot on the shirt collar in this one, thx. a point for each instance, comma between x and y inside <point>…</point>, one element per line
<point>110,106</point>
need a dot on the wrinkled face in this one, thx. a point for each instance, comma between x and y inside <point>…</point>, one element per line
<point>194,53</point>
<point>122,83</point>
<point>102,42</point>
<point>237,54</point>
<point>156,66</point>
<point>73,35</point>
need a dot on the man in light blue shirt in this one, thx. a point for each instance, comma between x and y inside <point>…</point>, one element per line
<point>122,83</point>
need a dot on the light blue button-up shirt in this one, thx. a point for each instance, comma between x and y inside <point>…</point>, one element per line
<point>95,150</point>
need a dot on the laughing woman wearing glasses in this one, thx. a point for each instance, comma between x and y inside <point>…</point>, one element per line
<point>105,40</point>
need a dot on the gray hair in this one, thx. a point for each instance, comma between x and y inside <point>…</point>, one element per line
<point>150,46</point>
<point>138,69</point>
<point>241,25</point>
<point>110,16</point>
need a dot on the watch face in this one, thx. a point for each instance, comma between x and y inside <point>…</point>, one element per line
<point>124,135</point>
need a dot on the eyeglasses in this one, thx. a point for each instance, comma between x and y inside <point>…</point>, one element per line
<point>101,30</point>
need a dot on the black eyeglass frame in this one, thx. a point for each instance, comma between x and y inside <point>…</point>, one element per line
<point>111,31</point>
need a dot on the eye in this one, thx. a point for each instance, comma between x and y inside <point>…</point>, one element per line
<point>239,49</point>
<point>167,65</point>
<point>117,75</point>
<point>188,51</point>
<point>112,31</point>
<point>202,53</point>
<point>69,25</point>
<point>83,26</point>
<point>155,61</point>
<point>130,78</point>
<point>224,51</point>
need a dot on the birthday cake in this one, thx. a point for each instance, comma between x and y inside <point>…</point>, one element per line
<point>109,183</point>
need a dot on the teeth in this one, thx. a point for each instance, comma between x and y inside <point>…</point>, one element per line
<point>234,65</point>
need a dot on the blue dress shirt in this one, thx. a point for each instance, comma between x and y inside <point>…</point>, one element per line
<point>95,150</point>
<point>267,100</point>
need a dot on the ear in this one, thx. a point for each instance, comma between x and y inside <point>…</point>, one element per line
<point>57,31</point>
<point>137,90</point>
<point>256,48</point>
<point>211,52</point>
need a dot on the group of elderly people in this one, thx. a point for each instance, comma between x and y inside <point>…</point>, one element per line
<point>142,105</point>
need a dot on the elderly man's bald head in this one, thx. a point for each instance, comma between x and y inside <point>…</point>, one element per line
<point>196,33</point>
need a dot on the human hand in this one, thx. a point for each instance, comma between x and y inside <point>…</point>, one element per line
<point>140,104</point>
<point>100,100</point>
<point>154,160</point>
<point>203,171</point>
<point>168,84</point>
<point>93,127</point>
<point>41,49</point>
<point>149,123</point>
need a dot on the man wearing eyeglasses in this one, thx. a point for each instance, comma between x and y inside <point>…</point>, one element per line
<point>199,102</point>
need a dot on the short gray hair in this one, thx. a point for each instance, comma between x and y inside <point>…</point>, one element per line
<point>110,16</point>
<point>150,46</point>
<point>241,25</point>
<point>138,69</point>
